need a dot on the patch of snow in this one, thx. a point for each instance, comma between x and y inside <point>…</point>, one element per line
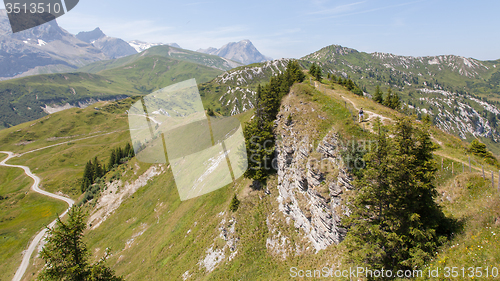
<point>433,61</point>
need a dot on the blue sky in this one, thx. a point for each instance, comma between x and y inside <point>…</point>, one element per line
<point>295,28</point>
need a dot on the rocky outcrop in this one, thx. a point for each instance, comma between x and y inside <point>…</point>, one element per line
<point>46,48</point>
<point>112,47</point>
<point>243,51</point>
<point>311,181</point>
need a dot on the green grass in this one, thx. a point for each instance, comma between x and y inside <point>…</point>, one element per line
<point>472,201</point>
<point>407,75</point>
<point>155,236</point>
<point>60,169</point>
<point>159,51</point>
<point>22,214</point>
<point>22,99</point>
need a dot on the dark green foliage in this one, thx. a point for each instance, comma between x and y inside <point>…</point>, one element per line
<point>210,112</point>
<point>312,70</point>
<point>492,119</point>
<point>97,170</point>
<point>85,184</point>
<point>259,141</point>
<point>426,119</point>
<point>87,176</point>
<point>235,203</point>
<point>294,72</point>
<point>112,159</point>
<point>378,95</point>
<point>353,157</point>
<point>120,155</point>
<point>349,84</point>
<point>259,135</point>
<point>357,91</point>
<point>392,100</point>
<point>66,256</point>
<point>94,170</point>
<point>395,223</point>
<point>479,149</point>
<point>315,71</point>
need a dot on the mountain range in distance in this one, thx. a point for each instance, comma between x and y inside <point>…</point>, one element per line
<point>243,51</point>
<point>48,48</point>
<point>112,47</point>
<point>44,49</point>
<point>140,46</point>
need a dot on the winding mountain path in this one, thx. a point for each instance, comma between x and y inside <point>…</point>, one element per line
<point>27,254</point>
<point>372,115</point>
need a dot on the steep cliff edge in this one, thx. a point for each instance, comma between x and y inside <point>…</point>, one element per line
<point>311,177</point>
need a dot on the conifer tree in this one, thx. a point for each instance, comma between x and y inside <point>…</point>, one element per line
<point>97,169</point>
<point>395,222</point>
<point>88,176</point>
<point>119,155</point>
<point>395,102</point>
<point>312,70</point>
<point>259,135</point>
<point>112,159</point>
<point>235,203</point>
<point>378,95</point>
<point>388,98</point>
<point>66,256</point>
<point>318,74</point>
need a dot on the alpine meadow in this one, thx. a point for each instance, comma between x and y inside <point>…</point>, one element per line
<point>357,165</point>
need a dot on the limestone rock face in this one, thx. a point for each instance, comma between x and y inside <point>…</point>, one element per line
<point>311,181</point>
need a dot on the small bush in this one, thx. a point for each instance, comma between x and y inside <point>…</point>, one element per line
<point>235,203</point>
<point>210,112</point>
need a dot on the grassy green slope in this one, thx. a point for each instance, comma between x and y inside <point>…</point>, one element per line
<point>449,72</point>
<point>155,236</point>
<point>21,100</point>
<point>462,94</point>
<point>83,134</point>
<point>234,91</point>
<point>163,51</point>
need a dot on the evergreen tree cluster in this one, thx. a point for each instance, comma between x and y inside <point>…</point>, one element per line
<point>66,256</point>
<point>259,135</point>
<point>315,71</point>
<point>479,149</point>
<point>94,170</point>
<point>391,100</point>
<point>347,82</point>
<point>120,155</point>
<point>395,222</point>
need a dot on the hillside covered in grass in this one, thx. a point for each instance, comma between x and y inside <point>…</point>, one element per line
<point>31,98</point>
<point>290,220</point>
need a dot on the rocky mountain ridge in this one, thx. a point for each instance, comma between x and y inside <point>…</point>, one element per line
<point>311,180</point>
<point>140,46</point>
<point>243,51</point>
<point>43,49</point>
<point>459,94</point>
<point>235,89</point>
<point>112,47</point>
